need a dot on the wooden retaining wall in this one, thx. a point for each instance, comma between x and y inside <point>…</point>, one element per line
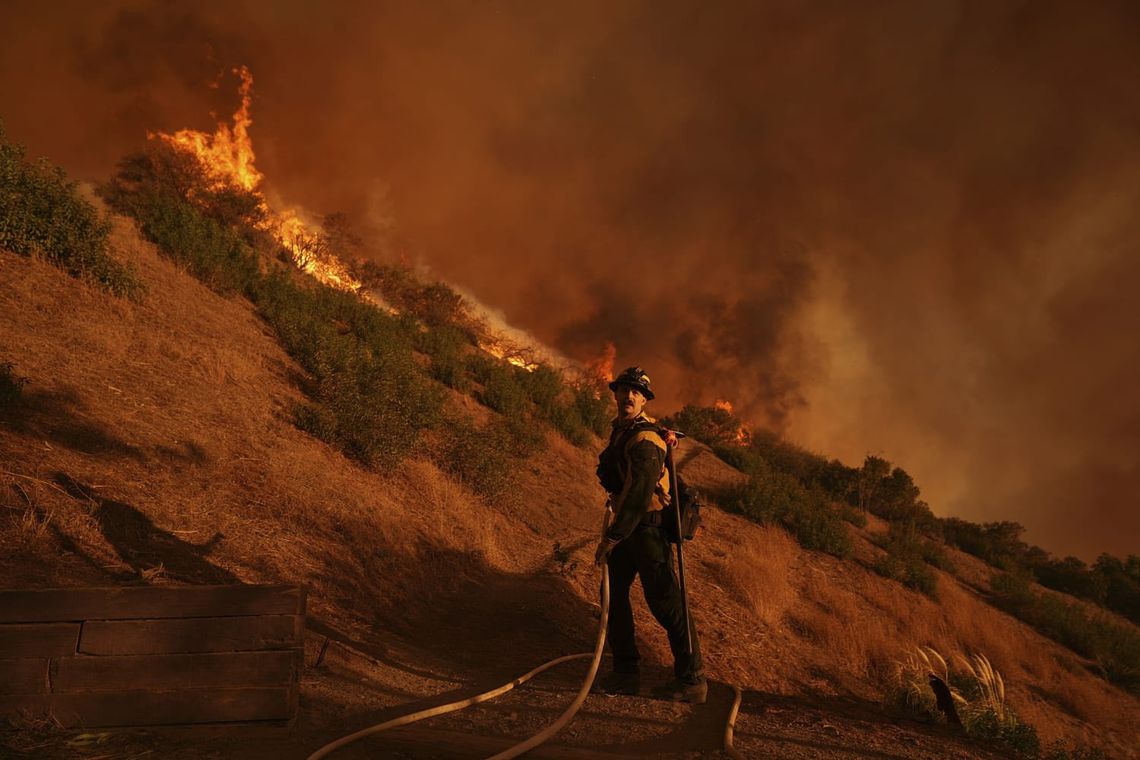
<point>152,655</point>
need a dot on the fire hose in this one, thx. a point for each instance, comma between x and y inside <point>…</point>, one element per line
<point>553,728</point>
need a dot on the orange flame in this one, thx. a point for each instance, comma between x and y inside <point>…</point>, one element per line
<point>226,155</point>
<point>743,435</point>
<point>602,367</point>
<point>501,349</point>
<point>227,158</point>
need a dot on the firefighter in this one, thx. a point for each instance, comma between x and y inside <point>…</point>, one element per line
<point>632,470</point>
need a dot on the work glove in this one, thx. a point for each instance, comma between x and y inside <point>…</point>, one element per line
<point>605,546</point>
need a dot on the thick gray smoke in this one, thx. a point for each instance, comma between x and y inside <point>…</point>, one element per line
<point>905,229</point>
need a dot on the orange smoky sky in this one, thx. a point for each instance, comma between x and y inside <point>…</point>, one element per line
<point>907,229</point>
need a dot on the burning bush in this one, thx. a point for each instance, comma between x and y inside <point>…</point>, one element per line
<point>714,426</point>
<point>366,393</point>
<point>41,214</point>
<point>435,303</point>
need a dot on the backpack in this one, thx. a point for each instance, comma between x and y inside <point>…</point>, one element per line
<point>690,501</point>
<point>610,477</point>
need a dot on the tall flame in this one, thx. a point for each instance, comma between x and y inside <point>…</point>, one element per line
<point>227,154</point>
<point>724,406</point>
<point>601,368</point>
<point>227,158</point>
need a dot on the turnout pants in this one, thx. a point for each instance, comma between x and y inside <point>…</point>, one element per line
<point>648,553</point>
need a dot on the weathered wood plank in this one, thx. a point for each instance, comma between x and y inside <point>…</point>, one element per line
<point>38,639</point>
<point>175,671</point>
<point>184,635</point>
<point>156,708</point>
<point>132,602</point>
<point>23,676</point>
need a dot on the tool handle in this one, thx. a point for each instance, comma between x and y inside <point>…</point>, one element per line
<point>671,466</point>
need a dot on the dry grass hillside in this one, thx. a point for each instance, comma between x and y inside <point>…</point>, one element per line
<point>154,444</point>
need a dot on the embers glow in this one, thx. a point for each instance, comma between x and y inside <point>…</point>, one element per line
<point>601,368</point>
<point>227,159</point>
<point>743,435</point>
<point>501,349</point>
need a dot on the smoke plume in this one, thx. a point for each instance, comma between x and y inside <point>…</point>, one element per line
<point>903,229</point>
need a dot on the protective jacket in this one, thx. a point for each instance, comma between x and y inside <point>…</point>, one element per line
<point>632,470</point>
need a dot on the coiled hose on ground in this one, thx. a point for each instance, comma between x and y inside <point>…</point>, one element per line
<point>524,746</point>
<point>545,734</point>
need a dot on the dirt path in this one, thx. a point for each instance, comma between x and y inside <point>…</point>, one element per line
<point>361,683</point>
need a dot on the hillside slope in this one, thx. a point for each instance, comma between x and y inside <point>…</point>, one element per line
<point>154,444</point>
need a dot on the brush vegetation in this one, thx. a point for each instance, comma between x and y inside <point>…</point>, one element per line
<point>370,396</point>
<point>42,214</point>
<point>1114,646</point>
<point>381,387</point>
<point>978,692</point>
<point>811,496</point>
<point>367,392</point>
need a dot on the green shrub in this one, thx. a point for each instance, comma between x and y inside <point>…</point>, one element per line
<point>933,554</point>
<point>710,425</point>
<point>1114,646</point>
<point>770,496</point>
<point>561,404</point>
<point>767,450</point>
<point>367,393</point>
<point>11,385</point>
<point>211,251</point>
<point>564,418</point>
<point>503,389</point>
<point>478,458</point>
<point>819,527</point>
<point>435,303</point>
<point>447,346</point>
<point>543,387</point>
<point>910,571</point>
<point>519,436</point>
<point>906,560</point>
<point>742,458</point>
<point>594,406</point>
<point>42,214</point>
<point>1008,731</point>
<point>161,171</point>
